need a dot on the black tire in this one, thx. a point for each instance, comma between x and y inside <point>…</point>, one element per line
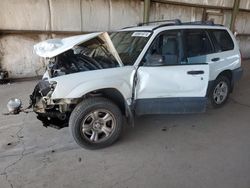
<point>212,96</point>
<point>84,110</point>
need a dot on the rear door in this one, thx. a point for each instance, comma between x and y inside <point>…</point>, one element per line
<point>226,54</point>
<point>166,83</point>
<point>215,46</point>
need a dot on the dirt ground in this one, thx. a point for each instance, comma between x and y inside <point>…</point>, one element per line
<point>209,150</point>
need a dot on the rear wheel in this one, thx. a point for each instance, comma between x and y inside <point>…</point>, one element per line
<point>220,92</point>
<point>96,123</point>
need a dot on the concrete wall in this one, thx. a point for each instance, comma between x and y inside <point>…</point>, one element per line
<point>24,15</point>
<point>69,15</point>
<point>17,55</point>
<point>245,4</point>
<point>90,15</point>
<point>224,3</point>
<point>161,11</point>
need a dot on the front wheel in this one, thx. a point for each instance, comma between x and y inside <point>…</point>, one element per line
<point>220,92</point>
<point>96,123</point>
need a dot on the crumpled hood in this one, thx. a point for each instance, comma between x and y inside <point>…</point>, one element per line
<point>53,47</point>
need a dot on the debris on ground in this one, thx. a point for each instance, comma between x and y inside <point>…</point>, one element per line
<point>164,129</point>
<point>4,77</point>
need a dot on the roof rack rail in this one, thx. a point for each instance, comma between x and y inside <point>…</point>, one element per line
<point>199,23</point>
<point>202,23</point>
<point>174,21</point>
<point>210,23</point>
<point>128,27</point>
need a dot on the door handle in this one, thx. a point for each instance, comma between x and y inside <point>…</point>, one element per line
<point>195,72</point>
<point>215,59</point>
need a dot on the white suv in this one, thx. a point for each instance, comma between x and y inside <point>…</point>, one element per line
<point>94,80</point>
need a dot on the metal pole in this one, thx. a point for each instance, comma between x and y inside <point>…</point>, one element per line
<point>146,11</point>
<point>204,14</point>
<point>234,14</point>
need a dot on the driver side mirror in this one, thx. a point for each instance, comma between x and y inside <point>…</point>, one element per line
<point>154,60</point>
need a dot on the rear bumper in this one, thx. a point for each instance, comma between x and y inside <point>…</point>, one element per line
<point>237,74</point>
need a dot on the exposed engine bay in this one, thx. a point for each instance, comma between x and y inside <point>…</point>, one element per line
<point>70,55</point>
<point>91,55</point>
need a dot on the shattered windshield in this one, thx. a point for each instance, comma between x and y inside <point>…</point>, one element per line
<point>129,44</point>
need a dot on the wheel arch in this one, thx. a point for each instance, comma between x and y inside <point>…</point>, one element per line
<point>112,94</point>
<point>229,74</point>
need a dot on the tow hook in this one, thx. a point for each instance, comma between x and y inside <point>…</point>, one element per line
<point>15,107</point>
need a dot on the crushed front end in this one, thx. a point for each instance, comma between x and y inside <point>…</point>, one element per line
<point>53,113</point>
<point>83,53</point>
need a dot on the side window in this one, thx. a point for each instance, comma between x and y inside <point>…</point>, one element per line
<point>222,40</point>
<point>164,50</point>
<point>197,43</point>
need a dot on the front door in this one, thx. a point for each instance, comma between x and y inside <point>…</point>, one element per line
<point>166,83</point>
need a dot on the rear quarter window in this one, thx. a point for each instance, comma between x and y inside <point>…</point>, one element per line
<point>222,40</point>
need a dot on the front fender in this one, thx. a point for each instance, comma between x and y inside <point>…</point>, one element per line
<point>78,84</point>
<point>121,85</point>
